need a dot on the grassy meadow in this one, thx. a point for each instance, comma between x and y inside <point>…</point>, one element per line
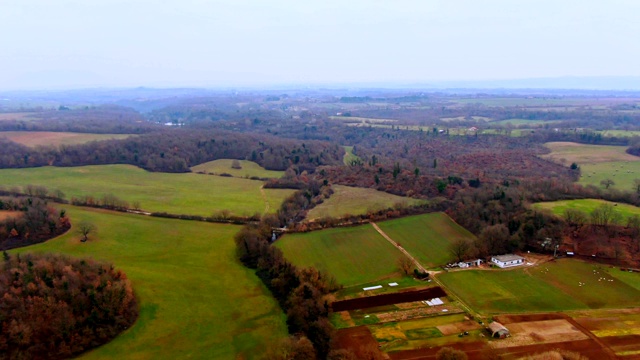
<point>192,194</point>
<point>586,206</point>
<point>48,138</point>
<point>355,201</point>
<point>354,255</point>
<point>248,169</point>
<point>196,300</point>
<point>349,156</point>
<point>598,162</point>
<point>426,237</point>
<point>560,285</point>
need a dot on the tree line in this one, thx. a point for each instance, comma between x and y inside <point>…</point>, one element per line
<point>176,150</point>
<point>55,307</point>
<point>32,221</point>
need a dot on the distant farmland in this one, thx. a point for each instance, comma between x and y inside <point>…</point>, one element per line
<point>354,255</point>
<point>248,169</point>
<point>355,201</point>
<point>196,299</point>
<point>190,193</point>
<point>47,138</point>
<point>426,237</point>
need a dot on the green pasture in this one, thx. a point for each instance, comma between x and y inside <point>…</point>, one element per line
<point>553,286</point>
<point>426,237</point>
<point>620,133</point>
<point>598,162</point>
<point>248,169</point>
<point>48,138</point>
<point>587,206</point>
<point>583,154</point>
<point>196,300</point>
<point>622,173</point>
<point>188,193</point>
<point>519,122</point>
<point>349,156</point>
<point>355,201</point>
<point>354,255</point>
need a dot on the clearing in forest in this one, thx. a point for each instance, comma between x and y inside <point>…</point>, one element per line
<point>598,162</point>
<point>427,237</point>
<point>196,300</point>
<point>8,214</point>
<point>354,255</point>
<point>565,284</point>
<point>349,156</point>
<point>247,169</point>
<point>587,206</point>
<point>189,193</point>
<point>347,200</point>
<point>49,138</point>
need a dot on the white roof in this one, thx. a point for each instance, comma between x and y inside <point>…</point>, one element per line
<point>508,257</point>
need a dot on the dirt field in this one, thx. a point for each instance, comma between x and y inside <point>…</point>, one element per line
<point>357,339</point>
<point>534,334</point>
<point>5,214</point>
<point>540,332</point>
<point>617,329</point>
<point>46,138</point>
<point>457,328</point>
<point>509,319</point>
<point>388,299</point>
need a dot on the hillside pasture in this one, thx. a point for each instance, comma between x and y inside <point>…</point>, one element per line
<point>354,255</point>
<point>587,206</point>
<point>48,138</point>
<point>190,193</point>
<point>426,237</point>
<point>356,201</point>
<point>561,285</point>
<point>598,162</point>
<point>248,169</point>
<point>196,300</point>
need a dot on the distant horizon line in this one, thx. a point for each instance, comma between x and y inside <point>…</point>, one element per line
<point>568,83</point>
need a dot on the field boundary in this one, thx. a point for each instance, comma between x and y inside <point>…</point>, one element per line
<point>432,274</point>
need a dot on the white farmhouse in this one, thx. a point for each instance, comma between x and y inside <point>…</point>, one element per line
<point>508,260</point>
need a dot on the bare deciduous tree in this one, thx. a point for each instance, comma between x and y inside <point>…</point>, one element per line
<point>460,248</point>
<point>405,264</point>
<point>84,229</point>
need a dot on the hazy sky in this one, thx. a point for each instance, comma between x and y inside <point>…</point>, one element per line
<point>70,43</point>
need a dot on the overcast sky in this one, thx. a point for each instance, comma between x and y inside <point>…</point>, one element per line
<point>71,43</point>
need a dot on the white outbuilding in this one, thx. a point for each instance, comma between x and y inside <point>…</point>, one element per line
<point>509,260</point>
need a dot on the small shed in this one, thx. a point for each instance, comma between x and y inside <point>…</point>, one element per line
<point>498,330</point>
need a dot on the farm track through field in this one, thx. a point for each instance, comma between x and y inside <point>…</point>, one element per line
<point>432,274</point>
<point>264,197</point>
